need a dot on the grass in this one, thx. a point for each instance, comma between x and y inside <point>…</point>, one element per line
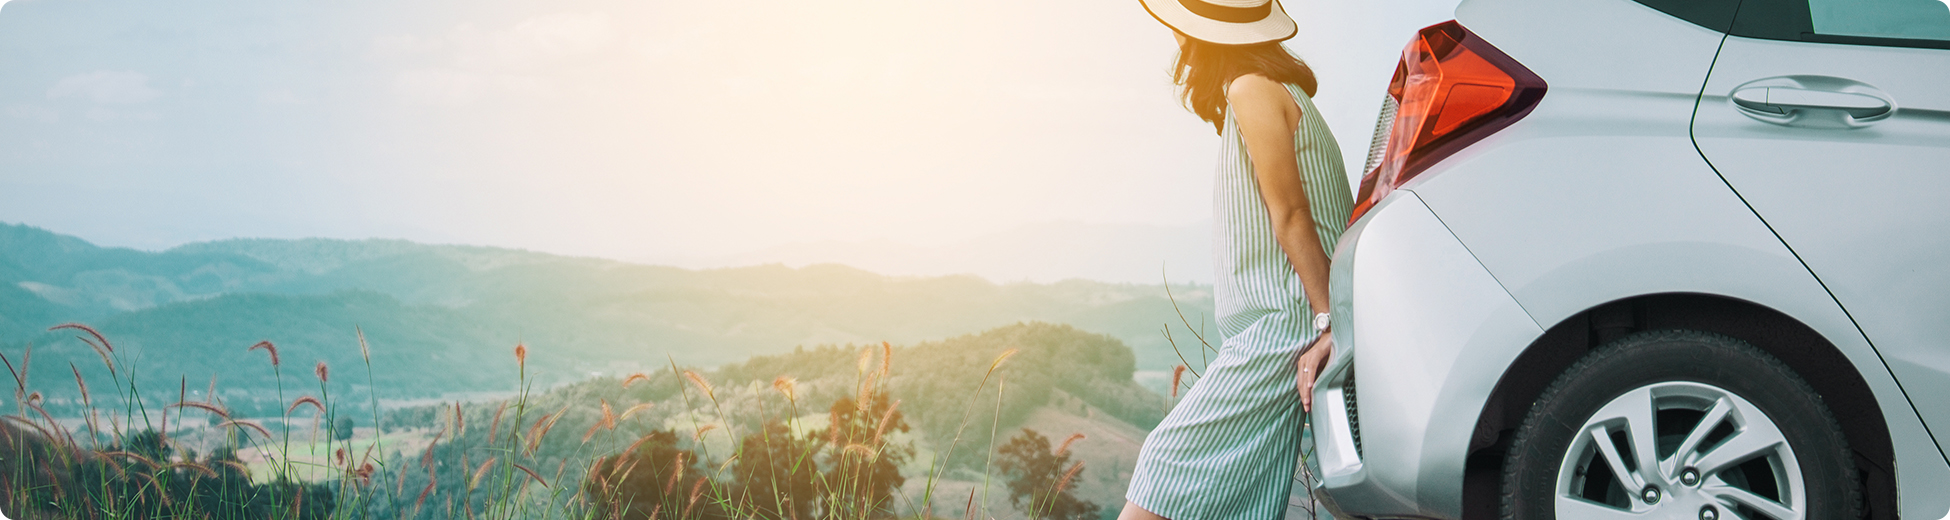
<point>799,462</point>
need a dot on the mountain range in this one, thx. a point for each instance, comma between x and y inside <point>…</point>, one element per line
<point>1042,252</point>
<point>443,319</point>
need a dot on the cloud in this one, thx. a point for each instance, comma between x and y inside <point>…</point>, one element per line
<point>567,33</point>
<point>106,87</point>
<point>441,86</point>
<point>537,57</point>
<point>538,41</point>
<point>34,112</point>
<point>406,46</point>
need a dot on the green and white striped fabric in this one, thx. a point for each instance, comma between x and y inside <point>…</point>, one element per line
<point>1228,449</point>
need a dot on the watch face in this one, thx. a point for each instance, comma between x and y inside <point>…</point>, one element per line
<point>1321,321</point>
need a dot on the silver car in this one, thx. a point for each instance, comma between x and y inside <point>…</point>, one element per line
<point>1651,259</point>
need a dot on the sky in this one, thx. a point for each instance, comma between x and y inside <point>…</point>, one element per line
<point>921,136</point>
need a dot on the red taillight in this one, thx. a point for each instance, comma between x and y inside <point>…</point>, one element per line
<point>1452,89</point>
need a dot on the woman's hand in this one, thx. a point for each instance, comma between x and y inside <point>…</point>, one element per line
<point>1311,363</point>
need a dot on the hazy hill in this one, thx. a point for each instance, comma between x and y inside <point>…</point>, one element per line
<point>1041,252</point>
<point>1060,380</point>
<point>431,312</point>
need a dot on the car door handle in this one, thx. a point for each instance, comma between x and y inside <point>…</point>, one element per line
<point>1784,101</point>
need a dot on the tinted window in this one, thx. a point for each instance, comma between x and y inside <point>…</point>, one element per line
<point>1909,19</point>
<point>1899,23</point>
<point>1712,14</point>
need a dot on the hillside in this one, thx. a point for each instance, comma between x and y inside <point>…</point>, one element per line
<point>816,414</point>
<point>430,311</point>
<point>1059,380</point>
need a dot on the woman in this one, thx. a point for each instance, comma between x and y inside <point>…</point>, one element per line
<point>1229,449</point>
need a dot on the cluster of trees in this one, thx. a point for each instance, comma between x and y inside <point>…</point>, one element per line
<point>941,381</point>
<point>827,432</point>
<point>554,450</point>
<point>529,453</point>
<point>850,469</point>
<point>782,475</point>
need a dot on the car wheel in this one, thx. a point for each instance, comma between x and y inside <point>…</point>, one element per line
<point>1679,424</point>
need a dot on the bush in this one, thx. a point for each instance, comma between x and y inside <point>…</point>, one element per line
<point>1039,478</point>
<point>342,429</point>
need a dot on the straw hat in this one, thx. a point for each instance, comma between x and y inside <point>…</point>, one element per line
<point>1225,22</point>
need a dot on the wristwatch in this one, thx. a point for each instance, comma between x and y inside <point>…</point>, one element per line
<point>1321,321</point>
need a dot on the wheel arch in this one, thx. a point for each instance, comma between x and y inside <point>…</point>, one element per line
<point>1807,352</point>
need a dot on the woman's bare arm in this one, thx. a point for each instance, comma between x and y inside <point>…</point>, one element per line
<point>1267,118</point>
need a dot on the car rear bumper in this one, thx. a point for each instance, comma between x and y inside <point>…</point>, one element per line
<point>1424,333</point>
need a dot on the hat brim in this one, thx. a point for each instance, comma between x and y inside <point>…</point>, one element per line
<point>1275,27</point>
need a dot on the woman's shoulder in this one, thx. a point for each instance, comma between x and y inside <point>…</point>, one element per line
<point>1254,85</point>
<point>1255,90</point>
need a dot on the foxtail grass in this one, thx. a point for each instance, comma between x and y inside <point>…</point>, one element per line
<point>525,471</point>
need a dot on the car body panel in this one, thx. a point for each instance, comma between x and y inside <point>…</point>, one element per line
<point>1421,307</point>
<point>1861,206</point>
<point>1602,170</point>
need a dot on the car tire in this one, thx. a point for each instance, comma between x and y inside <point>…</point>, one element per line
<point>1733,431</point>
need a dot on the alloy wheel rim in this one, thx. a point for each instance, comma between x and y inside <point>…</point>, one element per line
<point>1680,450</point>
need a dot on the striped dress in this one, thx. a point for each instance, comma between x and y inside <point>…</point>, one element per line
<point>1228,449</point>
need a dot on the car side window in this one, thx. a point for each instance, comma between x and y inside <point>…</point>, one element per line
<point>1712,14</point>
<point>1891,23</point>
<point>1903,19</point>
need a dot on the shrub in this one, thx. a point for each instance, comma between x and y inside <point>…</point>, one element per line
<point>1039,478</point>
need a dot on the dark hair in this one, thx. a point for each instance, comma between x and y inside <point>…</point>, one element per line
<point>1204,68</point>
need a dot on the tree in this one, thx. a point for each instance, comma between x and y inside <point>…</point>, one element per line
<point>655,479</point>
<point>863,465</point>
<point>342,429</point>
<point>776,472</point>
<point>1040,479</point>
